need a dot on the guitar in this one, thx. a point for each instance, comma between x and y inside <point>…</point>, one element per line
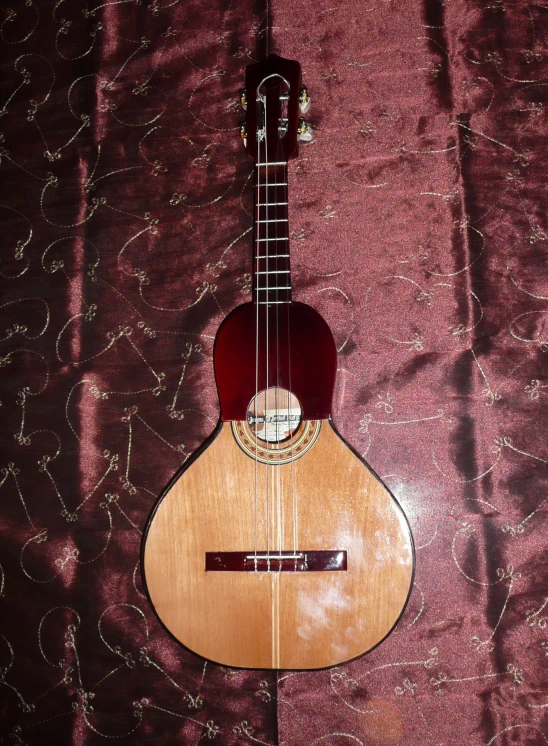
<point>276,546</point>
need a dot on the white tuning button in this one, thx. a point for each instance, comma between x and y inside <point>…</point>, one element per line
<point>304,131</point>
<point>304,100</point>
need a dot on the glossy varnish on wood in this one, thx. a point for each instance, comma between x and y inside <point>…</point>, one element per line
<point>289,345</point>
<point>281,619</point>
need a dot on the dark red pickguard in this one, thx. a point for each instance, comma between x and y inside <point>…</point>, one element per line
<point>300,356</point>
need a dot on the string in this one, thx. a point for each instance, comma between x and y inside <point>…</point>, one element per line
<point>267,293</point>
<point>277,402</point>
<point>259,290</point>
<point>267,316</point>
<point>273,481</point>
<point>257,254</point>
<point>290,394</point>
<point>285,287</point>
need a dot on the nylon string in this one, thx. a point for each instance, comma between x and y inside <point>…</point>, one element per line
<point>273,482</point>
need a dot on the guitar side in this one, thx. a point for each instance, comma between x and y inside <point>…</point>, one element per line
<point>290,620</point>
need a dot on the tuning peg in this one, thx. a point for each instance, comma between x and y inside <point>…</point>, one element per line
<point>304,131</point>
<point>243,132</point>
<point>243,98</point>
<point>304,100</point>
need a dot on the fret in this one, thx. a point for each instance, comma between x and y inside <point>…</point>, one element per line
<point>273,256</point>
<point>274,220</point>
<point>279,238</point>
<point>273,163</point>
<point>276,294</point>
<point>268,289</point>
<point>271,302</point>
<point>271,185</point>
<point>274,272</point>
<point>270,204</point>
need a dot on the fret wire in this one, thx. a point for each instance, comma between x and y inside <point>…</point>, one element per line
<point>281,238</point>
<point>273,272</point>
<point>273,256</point>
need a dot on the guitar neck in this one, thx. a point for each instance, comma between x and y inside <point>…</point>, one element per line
<point>271,269</point>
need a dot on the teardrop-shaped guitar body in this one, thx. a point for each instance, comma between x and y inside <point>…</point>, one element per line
<point>276,546</point>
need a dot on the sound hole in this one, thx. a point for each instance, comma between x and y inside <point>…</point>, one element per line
<point>274,415</point>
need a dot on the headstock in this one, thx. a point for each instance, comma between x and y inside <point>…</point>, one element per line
<point>274,99</point>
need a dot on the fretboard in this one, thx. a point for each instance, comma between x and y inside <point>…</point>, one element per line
<point>271,271</point>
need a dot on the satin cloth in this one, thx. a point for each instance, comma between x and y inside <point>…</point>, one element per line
<point>418,229</point>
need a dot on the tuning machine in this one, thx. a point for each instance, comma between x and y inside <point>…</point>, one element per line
<point>243,98</point>
<point>304,131</point>
<point>243,132</point>
<point>304,100</point>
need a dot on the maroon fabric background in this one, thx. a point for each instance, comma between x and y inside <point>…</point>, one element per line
<point>418,230</point>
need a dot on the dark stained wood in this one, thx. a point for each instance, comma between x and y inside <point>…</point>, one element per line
<point>271,268</point>
<point>291,72</point>
<point>289,561</point>
<point>300,356</point>
<point>272,92</point>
